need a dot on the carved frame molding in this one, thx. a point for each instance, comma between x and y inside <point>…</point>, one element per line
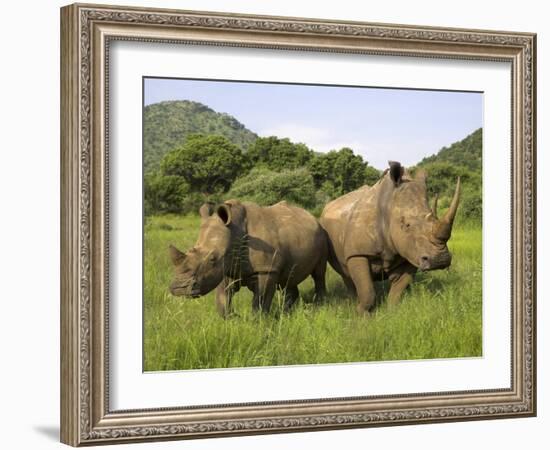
<point>86,31</point>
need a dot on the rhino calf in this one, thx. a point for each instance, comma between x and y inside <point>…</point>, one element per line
<point>387,231</point>
<point>262,248</point>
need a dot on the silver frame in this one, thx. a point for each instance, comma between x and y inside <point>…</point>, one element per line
<point>86,32</point>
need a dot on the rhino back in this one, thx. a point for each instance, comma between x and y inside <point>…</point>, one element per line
<point>351,223</point>
<point>284,238</point>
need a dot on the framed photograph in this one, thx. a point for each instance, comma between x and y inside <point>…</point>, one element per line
<point>276,224</point>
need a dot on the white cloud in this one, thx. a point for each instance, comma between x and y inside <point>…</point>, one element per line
<point>318,139</point>
<point>311,136</point>
<point>376,153</point>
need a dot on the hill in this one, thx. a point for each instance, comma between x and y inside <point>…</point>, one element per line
<point>463,158</point>
<point>167,124</point>
<point>466,153</point>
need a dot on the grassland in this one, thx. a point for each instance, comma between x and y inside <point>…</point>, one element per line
<point>440,316</point>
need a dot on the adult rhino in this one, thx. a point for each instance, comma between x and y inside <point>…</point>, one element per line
<point>387,231</point>
<point>262,248</point>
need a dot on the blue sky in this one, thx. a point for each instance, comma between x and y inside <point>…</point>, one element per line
<point>404,125</point>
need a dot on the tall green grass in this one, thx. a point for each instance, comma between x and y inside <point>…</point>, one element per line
<point>440,315</point>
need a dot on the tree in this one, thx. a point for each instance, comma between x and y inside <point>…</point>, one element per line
<point>442,176</point>
<point>267,187</point>
<point>164,194</point>
<point>372,175</point>
<point>344,170</point>
<point>278,154</point>
<point>464,159</point>
<point>208,164</point>
<point>471,203</point>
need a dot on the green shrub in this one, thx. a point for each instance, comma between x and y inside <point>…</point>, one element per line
<point>209,164</point>
<point>164,194</point>
<point>343,169</point>
<point>194,200</point>
<point>278,154</point>
<point>471,205</point>
<point>266,187</point>
<point>372,175</point>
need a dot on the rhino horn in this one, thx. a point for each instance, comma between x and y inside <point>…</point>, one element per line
<point>444,226</point>
<point>434,207</point>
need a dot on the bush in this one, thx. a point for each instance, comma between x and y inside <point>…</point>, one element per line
<point>278,154</point>
<point>194,200</point>
<point>171,194</point>
<point>208,164</point>
<point>266,187</point>
<point>471,205</point>
<point>372,175</point>
<point>442,180</point>
<point>345,171</point>
<point>164,194</point>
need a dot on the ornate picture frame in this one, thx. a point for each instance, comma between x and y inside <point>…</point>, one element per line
<point>87,32</point>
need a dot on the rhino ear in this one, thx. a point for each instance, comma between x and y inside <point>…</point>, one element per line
<point>206,210</point>
<point>396,172</point>
<point>224,213</point>
<point>176,256</point>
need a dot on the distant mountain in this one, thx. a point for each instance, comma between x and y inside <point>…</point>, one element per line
<point>167,124</point>
<point>466,153</point>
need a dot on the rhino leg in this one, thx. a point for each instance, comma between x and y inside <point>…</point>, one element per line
<point>349,285</point>
<point>224,294</point>
<point>400,278</point>
<point>359,270</point>
<point>264,290</point>
<point>319,279</point>
<point>291,295</point>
